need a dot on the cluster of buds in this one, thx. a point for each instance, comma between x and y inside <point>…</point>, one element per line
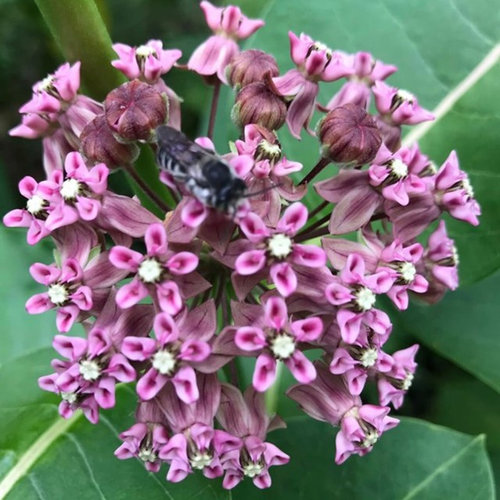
<point>171,303</point>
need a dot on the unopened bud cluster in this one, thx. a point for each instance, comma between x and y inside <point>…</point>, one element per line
<point>171,299</point>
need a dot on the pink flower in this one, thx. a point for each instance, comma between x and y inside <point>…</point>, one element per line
<point>159,272</point>
<point>355,294</point>
<point>34,215</point>
<point>89,374</point>
<point>146,62</point>
<point>454,192</point>
<point>393,385</point>
<point>245,417</point>
<point>367,71</point>
<point>169,356</point>
<point>398,106</point>
<point>228,24</point>
<point>276,338</point>
<point>75,196</point>
<point>274,252</point>
<point>315,62</point>
<point>395,178</point>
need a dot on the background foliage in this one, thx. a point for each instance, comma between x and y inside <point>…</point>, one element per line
<point>436,44</point>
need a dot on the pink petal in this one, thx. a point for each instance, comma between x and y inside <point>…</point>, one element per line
<point>284,278</point>
<point>131,293</point>
<point>71,348</point>
<point>338,294</point>
<point>156,239</point>
<point>165,328</point>
<point>308,255</point>
<point>66,317</point>
<point>44,274</point>
<point>307,330</point>
<point>250,338</point>
<point>194,350</point>
<point>250,262</point>
<point>169,297</point>
<point>150,384</point>
<point>302,369</point>
<point>254,228</point>
<point>293,219</point>
<point>39,303</point>
<point>185,385</point>
<point>120,368</point>
<point>182,263</point>
<point>124,258</point>
<point>105,393</point>
<point>275,313</point>
<point>350,324</point>
<point>137,348</point>
<point>264,373</point>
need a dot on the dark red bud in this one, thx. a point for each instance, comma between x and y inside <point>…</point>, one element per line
<point>349,135</point>
<point>98,144</point>
<point>256,103</point>
<point>250,66</point>
<point>134,110</point>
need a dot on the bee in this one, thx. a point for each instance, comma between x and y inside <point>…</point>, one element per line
<point>202,173</point>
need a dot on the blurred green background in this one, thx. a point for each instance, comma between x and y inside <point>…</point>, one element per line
<point>442,393</point>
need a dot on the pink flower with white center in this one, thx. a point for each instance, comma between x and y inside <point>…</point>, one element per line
<point>274,252</point>
<point>55,103</point>
<point>354,293</point>
<point>394,384</point>
<point>402,263</point>
<point>146,62</point>
<point>195,445</point>
<point>89,374</point>
<point>359,360</point>
<point>158,273</point>
<point>454,193</point>
<point>169,356</point>
<point>441,257</point>
<point>245,417</point>
<point>229,25</point>
<point>269,176</point>
<point>76,195</point>
<point>143,441</point>
<point>34,215</point>
<point>398,106</point>
<point>275,338</point>
<point>315,62</point>
<point>395,178</point>
<point>65,291</point>
<point>328,399</point>
<point>356,90</point>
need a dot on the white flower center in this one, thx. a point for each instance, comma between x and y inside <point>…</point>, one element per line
<point>267,150</point>
<point>369,357</point>
<point>371,438</point>
<point>252,469</point>
<point>144,51</point>
<point>454,253</point>
<point>89,370</point>
<point>398,168</point>
<point>407,381</point>
<point>279,245</point>
<point>283,346</point>
<point>46,84</point>
<point>467,187</point>
<point>200,460</point>
<point>321,46</point>
<point>147,455</point>
<point>150,270</point>
<point>407,271</point>
<point>58,294</point>
<point>405,96</point>
<point>164,362</point>
<point>365,298</point>
<point>70,397</point>
<point>35,204</point>
<point>70,189</point>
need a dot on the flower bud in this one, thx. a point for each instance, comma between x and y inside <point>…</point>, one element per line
<point>250,66</point>
<point>256,103</point>
<point>134,110</point>
<point>349,135</point>
<point>98,144</point>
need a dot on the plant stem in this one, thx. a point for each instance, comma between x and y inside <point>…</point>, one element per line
<point>313,234</point>
<point>142,184</point>
<point>213,109</point>
<point>304,234</point>
<point>318,209</point>
<point>81,35</point>
<point>322,163</point>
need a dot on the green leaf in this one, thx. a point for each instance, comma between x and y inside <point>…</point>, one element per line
<point>447,55</point>
<point>21,332</point>
<point>463,327</point>
<point>44,456</point>
<point>415,460</point>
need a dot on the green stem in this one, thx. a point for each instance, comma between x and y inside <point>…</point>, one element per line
<point>81,34</point>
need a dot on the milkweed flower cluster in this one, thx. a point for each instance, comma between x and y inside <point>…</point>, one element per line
<point>171,299</point>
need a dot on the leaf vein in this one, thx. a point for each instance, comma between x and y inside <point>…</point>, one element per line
<point>471,24</point>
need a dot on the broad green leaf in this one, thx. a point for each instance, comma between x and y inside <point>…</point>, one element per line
<point>44,456</point>
<point>447,54</point>
<point>416,460</point>
<point>21,332</point>
<point>463,327</point>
